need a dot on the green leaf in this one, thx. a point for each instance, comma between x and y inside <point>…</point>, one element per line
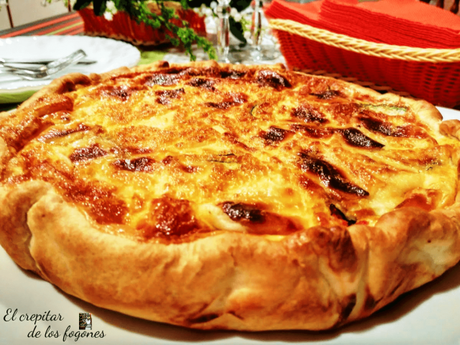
<point>99,7</point>
<point>175,42</point>
<point>184,4</point>
<point>237,30</point>
<point>81,4</point>
<point>168,13</point>
<point>240,5</point>
<point>197,3</point>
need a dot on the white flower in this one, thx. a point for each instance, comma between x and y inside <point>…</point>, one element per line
<point>233,12</point>
<point>110,6</point>
<point>208,12</point>
<point>247,34</point>
<point>2,3</point>
<point>213,5</point>
<point>237,17</point>
<point>110,10</point>
<point>108,16</point>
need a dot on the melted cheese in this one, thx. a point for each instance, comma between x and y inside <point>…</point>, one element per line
<point>171,152</point>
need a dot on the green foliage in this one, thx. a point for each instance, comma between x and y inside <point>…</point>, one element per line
<point>198,3</point>
<point>236,28</point>
<point>240,5</point>
<point>139,11</point>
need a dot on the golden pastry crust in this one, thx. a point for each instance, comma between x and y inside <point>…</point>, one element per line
<point>213,275</point>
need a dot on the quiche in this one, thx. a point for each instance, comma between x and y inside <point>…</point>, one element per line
<point>218,196</point>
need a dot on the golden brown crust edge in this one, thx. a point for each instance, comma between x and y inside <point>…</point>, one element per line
<point>319,278</point>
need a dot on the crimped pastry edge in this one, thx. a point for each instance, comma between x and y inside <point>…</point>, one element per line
<point>319,278</point>
<point>315,279</point>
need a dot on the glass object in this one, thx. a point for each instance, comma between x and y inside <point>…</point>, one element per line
<point>223,30</point>
<point>257,52</point>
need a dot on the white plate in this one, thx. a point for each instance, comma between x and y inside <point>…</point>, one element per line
<point>110,54</point>
<point>427,315</point>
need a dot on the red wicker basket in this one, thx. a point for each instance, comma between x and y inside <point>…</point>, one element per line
<point>123,27</point>
<point>430,74</point>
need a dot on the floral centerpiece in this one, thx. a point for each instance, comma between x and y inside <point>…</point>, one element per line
<point>146,22</point>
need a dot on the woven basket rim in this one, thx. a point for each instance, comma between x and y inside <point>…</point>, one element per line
<point>361,46</point>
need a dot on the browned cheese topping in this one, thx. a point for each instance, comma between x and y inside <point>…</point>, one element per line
<point>184,152</point>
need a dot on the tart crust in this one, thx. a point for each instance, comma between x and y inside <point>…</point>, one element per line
<point>316,278</point>
<point>324,278</point>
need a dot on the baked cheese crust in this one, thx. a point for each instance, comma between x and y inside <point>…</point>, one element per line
<point>225,196</point>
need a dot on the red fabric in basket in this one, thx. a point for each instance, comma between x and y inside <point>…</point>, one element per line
<point>399,22</point>
<point>301,13</point>
<point>416,24</point>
